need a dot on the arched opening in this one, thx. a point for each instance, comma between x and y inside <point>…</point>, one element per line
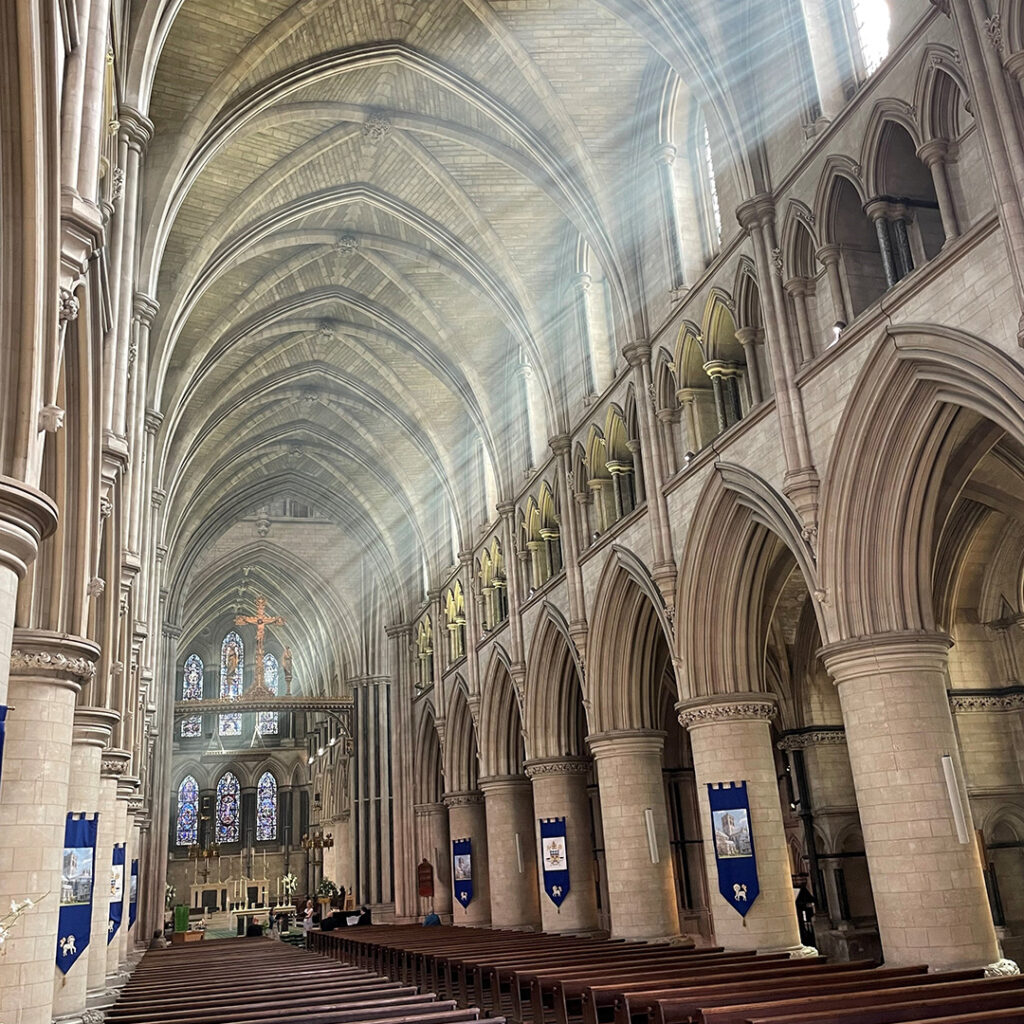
<point>863,273</point>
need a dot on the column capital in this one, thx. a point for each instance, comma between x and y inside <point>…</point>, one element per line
<point>397,631</point>
<point>497,783</point>
<point>727,707</point>
<point>428,810</point>
<point>756,211</point>
<point>798,286</point>
<point>560,444</point>
<point>617,742</point>
<point>153,420</point>
<point>115,763</point>
<point>145,308</point>
<point>664,153</point>
<point>94,726</point>
<point>27,515</point>
<point>463,798</point>
<point>828,255</point>
<point>636,353</point>
<point>877,208</point>
<point>886,652</point>
<point>813,736</point>
<point>136,128</point>
<point>55,658</point>
<point>540,767</point>
<point>505,508</point>
<point>934,151</point>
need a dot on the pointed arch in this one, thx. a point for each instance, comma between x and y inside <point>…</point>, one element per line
<point>187,822</point>
<point>630,646</point>
<point>502,750</point>
<point>232,663</point>
<point>266,808</point>
<point>192,689</point>
<point>229,809</point>
<point>461,751</point>
<point>428,780</point>
<point>554,707</point>
<point>743,535</point>
<point>881,496</point>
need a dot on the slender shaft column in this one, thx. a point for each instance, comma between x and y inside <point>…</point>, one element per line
<point>97,995</point>
<point>468,820</point>
<point>934,156</point>
<point>641,883</point>
<point>731,743</point>
<point>560,791</point>
<point>664,157</point>
<point>46,673</point>
<point>401,692</point>
<point>511,860</point>
<point>797,288</point>
<point>828,256</point>
<point>90,734</point>
<point>929,890</point>
<point>119,814</point>
<point>749,339</point>
<point>877,212</point>
<point>126,790</point>
<point>434,846</point>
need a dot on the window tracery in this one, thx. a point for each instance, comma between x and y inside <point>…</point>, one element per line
<point>187,828</point>
<point>425,653</point>
<point>232,658</point>
<point>268,720</point>
<point>266,808</point>
<point>192,689</point>
<point>455,620</point>
<point>228,811</point>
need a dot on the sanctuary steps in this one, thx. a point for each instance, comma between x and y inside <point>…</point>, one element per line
<point>547,979</point>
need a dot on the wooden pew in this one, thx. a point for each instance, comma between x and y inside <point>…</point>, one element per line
<point>855,1007</point>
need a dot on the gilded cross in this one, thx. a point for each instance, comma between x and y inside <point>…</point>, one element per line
<point>260,620</point>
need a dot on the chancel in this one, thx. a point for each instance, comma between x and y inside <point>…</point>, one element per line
<point>549,468</point>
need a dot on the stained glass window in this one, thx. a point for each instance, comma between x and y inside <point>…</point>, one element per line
<point>266,807</point>
<point>872,19</point>
<point>188,812</point>
<point>228,796</point>
<point>192,689</point>
<point>268,719</point>
<point>232,658</point>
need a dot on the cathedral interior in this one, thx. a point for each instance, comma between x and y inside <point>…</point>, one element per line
<point>526,411</point>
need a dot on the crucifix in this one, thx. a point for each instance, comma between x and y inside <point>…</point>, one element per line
<point>260,620</point>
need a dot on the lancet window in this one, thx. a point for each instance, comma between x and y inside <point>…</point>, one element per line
<point>228,810</point>
<point>232,658</point>
<point>271,676</point>
<point>192,689</point>
<point>266,808</point>
<point>704,162</point>
<point>187,830</point>
<point>871,20</point>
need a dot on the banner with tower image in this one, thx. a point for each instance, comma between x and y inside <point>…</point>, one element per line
<point>77,874</point>
<point>734,844</point>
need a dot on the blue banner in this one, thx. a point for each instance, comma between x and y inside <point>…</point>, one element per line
<point>116,892</point>
<point>554,859</point>
<point>133,894</point>
<point>77,875</point>
<point>462,870</point>
<point>734,844</point>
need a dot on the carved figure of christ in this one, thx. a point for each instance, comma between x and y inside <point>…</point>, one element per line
<point>260,620</point>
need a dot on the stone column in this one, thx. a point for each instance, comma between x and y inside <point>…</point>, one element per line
<point>91,733</point>
<point>467,820</point>
<point>46,673</point>
<point>731,742</point>
<point>127,787</point>
<point>828,256</point>
<point>664,156</point>
<point>641,882</point>
<point>97,994</point>
<point>934,155</point>
<point>434,846</point>
<point>750,341</point>
<point>119,814</point>
<point>929,890</point>
<point>560,791</point>
<point>877,211</point>
<point>511,858</point>
<point>798,288</point>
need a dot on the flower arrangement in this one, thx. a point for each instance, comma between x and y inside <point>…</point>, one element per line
<point>169,893</point>
<point>327,889</point>
<point>11,917</point>
<point>289,883</point>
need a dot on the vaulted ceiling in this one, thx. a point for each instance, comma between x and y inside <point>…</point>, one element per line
<point>359,222</point>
